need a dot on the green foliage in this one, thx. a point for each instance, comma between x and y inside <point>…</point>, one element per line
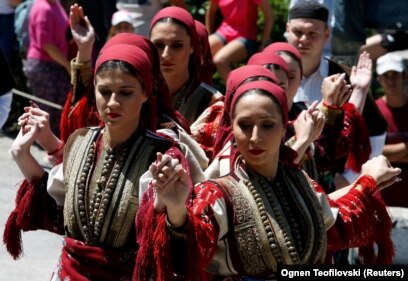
<point>197,9</point>
<point>280,8</point>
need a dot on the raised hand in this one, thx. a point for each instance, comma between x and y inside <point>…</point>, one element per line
<point>26,137</point>
<point>360,79</point>
<point>82,32</point>
<point>360,76</point>
<point>309,124</point>
<point>35,116</point>
<point>318,121</point>
<point>381,170</point>
<point>303,126</point>
<point>170,182</point>
<point>335,90</point>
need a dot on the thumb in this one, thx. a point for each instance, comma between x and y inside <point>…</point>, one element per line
<point>34,129</point>
<point>182,173</point>
<point>88,23</point>
<point>340,79</point>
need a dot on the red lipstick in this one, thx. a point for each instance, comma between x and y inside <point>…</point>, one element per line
<point>167,64</point>
<point>256,151</point>
<point>113,115</point>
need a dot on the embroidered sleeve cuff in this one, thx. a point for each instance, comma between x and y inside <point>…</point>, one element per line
<point>80,71</point>
<point>368,184</point>
<point>334,116</point>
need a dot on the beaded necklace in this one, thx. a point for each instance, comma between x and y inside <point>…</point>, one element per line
<point>278,201</point>
<point>93,218</point>
<point>278,216</point>
<point>294,212</point>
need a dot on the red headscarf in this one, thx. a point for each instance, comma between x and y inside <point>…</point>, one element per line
<point>235,78</point>
<point>264,58</point>
<point>207,66</point>
<point>139,41</point>
<point>285,47</point>
<point>270,88</point>
<point>160,91</point>
<point>187,20</point>
<point>133,55</point>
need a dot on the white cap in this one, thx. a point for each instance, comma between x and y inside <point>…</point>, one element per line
<point>121,16</point>
<point>390,62</point>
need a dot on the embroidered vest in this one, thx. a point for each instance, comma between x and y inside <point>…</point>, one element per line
<point>273,223</point>
<point>121,201</point>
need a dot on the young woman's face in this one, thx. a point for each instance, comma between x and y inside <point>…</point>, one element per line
<point>294,77</point>
<point>282,77</point>
<point>258,130</point>
<point>174,45</point>
<point>119,99</point>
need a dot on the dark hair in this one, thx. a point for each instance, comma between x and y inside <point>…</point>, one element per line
<point>272,67</point>
<point>193,62</point>
<point>293,57</point>
<point>171,20</point>
<point>119,65</point>
<point>256,78</point>
<point>260,92</point>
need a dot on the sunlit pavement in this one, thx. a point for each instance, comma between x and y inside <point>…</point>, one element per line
<point>41,248</point>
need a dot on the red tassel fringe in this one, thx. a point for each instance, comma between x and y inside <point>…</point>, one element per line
<point>162,251</point>
<point>361,148</point>
<point>12,231</point>
<point>12,236</point>
<point>145,229</point>
<point>80,115</point>
<point>382,229</point>
<point>365,224</point>
<point>29,214</point>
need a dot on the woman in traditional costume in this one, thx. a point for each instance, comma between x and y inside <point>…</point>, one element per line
<point>173,32</point>
<point>80,109</point>
<point>266,211</point>
<point>222,146</point>
<point>92,196</point>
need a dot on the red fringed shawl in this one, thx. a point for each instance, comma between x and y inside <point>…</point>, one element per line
<point>82,262</point>
<point>364,223</point>
<point>205,132</point>
<point>80,114</point>
<point>31,200</point>
<point>154,255</point>
<point>358,138</point>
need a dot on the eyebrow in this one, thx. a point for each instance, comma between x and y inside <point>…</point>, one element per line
<point>172,40</point>
<point>261,117</point>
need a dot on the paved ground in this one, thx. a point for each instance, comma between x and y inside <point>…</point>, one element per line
<point>41,248</point>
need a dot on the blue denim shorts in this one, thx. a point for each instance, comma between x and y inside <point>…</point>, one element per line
<point>250,45</point>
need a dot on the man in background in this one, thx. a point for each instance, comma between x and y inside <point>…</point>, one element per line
<point>394,107</point>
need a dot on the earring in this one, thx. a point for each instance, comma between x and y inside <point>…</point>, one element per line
<point>234,142</point>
